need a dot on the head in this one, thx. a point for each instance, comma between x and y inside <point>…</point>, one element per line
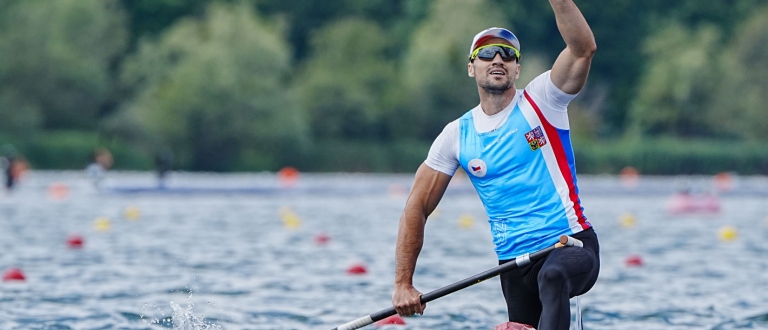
<point>494,60</point>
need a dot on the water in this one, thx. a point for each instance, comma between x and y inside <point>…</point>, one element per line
<point>249,261</point>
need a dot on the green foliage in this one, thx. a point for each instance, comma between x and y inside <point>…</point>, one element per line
<point>740,107</point>
<point>346,79</point>
<point>679,85</point>
<point>434,69</point>
<point>214,90</point>
<point>73,150</point>
<point>55,61</point>
<point>670,156</point>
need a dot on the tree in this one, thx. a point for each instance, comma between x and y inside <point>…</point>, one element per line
<point>215,90</point>
<point>434,68</point>
<point>346,79</point>
<point>740,107</point>
<point>678,87</point>
<point>56,61</point>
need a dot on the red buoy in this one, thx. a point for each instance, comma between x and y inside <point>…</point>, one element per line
<point>358,269</point>
<point>322,239</point>
<point>513,326</point>
<point>394,319</point>
<point>634,261</point>
<point>13,274</point>
<point>75,242</point>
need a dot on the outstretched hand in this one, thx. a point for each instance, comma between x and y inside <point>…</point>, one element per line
<point>407,300</point>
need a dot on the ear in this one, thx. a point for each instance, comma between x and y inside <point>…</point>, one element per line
<point>471,69</point>
<point>517,71</point>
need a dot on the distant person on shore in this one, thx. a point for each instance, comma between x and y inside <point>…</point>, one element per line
<point>13,166</point>
<point>163,165</point>
<point>516,147</point>
<point>100,163</point>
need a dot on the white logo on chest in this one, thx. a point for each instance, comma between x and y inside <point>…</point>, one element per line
<point>477,167</point>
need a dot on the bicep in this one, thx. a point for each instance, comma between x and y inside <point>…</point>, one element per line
<point>569,73</point>
<point>428,188</point>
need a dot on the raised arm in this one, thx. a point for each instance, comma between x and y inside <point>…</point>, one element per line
<point>569,73</point>
<point>428,188</point>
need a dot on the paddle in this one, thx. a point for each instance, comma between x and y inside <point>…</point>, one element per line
<point>451,288</point>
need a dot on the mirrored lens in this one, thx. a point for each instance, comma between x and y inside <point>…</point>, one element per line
<point>488,53</point>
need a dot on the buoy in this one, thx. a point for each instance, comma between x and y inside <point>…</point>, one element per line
<point>75,242</point>
<point>102,224</point>
<point>288,176</point>
<point>58,191</point>
<point>728,233</point>
<point>629,177</point>
<point>513,326</point>
<point>290,219</point>
<point>322,239</point>
<point>397,190</point>
<point>132,213</point>
<point>13,274</point>
<point>634,261</point>
<point>466,221</point>
<point>723,181</point>
<point>686,203</point>
<point>394,319</point>
<point>357,269</point>
<point>627,220</point>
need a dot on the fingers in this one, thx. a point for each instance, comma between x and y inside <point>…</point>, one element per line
<point>408,303</point>
<point>411,308</point>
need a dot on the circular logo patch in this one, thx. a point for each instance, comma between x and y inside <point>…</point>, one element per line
<point>477,167</point>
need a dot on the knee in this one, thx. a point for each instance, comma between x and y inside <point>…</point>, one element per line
<point>550,276</point>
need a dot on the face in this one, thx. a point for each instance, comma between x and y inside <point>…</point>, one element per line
<point>494,76</point>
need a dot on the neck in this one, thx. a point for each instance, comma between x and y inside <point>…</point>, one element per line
<point>492,104</point>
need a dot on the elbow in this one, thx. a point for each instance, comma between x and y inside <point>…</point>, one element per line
<point>589,50</point>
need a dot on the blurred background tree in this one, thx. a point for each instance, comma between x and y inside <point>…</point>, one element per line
<point>366,85</point>
<point>57,62</point>
<point>215,90</point>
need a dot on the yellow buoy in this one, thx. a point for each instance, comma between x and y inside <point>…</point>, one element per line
<point>728,233</point>
<point>466,221</point>
<point>132,213</point>
<point>627,220</point>
<point>290,219</point>
<point>102,224</point>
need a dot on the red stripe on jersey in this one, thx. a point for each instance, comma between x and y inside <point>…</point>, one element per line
<point>562,161</point>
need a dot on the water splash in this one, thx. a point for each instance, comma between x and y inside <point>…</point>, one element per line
<point>185,318</point>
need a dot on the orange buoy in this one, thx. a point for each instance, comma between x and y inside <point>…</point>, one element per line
<point>723,181</point>
<point>634,261</point>
<point>322,239</point>
<point>288,176</point>
<point>358,269</point>
<point>394,319</point>
<point>629,177</point>
<point>58,191</point>
<point>513,326</point>
<point>75,242</point>
<point>13,274</point>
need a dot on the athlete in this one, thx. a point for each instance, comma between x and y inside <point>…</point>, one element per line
<point>515,147</point>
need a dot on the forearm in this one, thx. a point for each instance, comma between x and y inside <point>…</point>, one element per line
<point>410,239</point>
<point>574,28</point>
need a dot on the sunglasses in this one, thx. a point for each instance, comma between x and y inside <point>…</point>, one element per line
<point>488,52</point>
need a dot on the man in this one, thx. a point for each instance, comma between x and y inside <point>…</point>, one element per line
<point>515,147</point>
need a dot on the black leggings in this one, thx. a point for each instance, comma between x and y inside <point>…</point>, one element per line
<point>538,293</point>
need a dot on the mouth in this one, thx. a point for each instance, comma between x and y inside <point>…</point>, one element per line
<point>497,72</point>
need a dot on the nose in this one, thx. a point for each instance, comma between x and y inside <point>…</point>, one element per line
<point>497,59</point>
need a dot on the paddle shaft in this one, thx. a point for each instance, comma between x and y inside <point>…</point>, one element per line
<point>467,282</point>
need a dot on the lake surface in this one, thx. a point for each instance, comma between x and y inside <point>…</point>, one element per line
<point>196,257</point>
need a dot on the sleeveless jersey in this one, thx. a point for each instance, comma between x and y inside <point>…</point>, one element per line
<point>525,175</point>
